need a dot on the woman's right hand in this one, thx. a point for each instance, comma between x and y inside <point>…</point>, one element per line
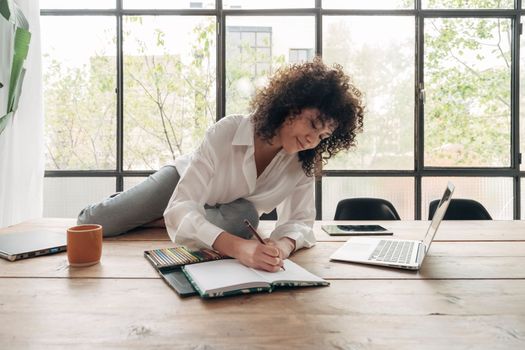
<point>264,257</point>
<point>249,252</point>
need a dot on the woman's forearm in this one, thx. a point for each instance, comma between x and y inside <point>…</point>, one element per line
<point>227,244</point>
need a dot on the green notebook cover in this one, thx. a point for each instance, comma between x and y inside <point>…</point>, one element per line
<point>229,277</point>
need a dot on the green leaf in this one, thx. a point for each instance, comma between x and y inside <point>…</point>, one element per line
<point>22,39</point>
<point>5,11</point>
<point>3,121</point>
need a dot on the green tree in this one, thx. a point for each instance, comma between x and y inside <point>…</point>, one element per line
<point>168,103</point>
<point>80,115</point>
<point>467,82</point>
<point>384,73</point>
<point>247,69</point>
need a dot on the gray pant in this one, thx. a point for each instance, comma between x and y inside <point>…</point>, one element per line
<point>147,201</point>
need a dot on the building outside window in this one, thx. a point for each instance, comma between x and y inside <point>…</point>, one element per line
<point>300,55</point>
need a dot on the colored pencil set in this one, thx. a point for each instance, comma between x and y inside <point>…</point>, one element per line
<point>172,258</point>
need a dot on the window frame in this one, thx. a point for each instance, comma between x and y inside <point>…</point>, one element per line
<point>419,172</point>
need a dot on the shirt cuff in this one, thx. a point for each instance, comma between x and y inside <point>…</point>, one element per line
<point>298,237</point>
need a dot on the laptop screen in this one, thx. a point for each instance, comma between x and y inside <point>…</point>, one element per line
<point>438,215</point>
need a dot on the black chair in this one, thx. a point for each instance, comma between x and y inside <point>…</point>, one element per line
<point>461,209</point>
<point>365,209</point>
<point>269,216</point>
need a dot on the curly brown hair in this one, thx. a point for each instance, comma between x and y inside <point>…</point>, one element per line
<point>311,85</point>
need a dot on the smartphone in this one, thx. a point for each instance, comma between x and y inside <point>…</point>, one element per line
<point>356,230</point>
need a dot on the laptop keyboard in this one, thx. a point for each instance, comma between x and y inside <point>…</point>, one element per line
<point>394,251</point>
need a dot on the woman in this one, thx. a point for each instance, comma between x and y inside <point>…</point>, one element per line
<point>249,165</point>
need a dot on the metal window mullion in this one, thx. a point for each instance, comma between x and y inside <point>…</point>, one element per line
<point>270,12</point>
<point>515,111</point>
<point>168,12</point>
<point>220,87</point>
<point>120,99</point>
<point>81,12</point>
<point>419,111</point>
<point>459,172</point>
<point>319,52</point>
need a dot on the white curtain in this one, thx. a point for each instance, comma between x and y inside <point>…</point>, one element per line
<point>22,142</point>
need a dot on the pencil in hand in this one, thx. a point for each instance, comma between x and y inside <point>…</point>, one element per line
<point>256,234</point>
<point>254,231</point>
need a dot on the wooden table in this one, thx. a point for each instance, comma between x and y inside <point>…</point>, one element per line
<point>470,294</point>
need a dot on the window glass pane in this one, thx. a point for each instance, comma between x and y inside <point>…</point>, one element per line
<point>495,193</point>
<point>267,4</point>
<point>470,4</point>
<point>522,98</point>
<point>77,4</point>
<point>132,181</point>
<point>301,55</point>
<point>398,190</point>
<point>169,87</point>
<point>367,4</point>
<point>64,197</point>
<point>79,71</point>
<point>523,198</point>
<point>168,4</point>
<point>381,63</point>
<point>467,83</point>
<point>255,48</point>
<point>248,38</point>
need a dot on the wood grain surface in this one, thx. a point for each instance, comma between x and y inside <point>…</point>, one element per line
<point>470,294</point>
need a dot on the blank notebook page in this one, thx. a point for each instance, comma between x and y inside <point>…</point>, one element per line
<point>293,272</point>
<point>221,273</point>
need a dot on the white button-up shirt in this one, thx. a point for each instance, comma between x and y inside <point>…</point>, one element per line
<point>222,170</point>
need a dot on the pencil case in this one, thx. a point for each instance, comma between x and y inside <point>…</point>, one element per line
<point>169,259</point>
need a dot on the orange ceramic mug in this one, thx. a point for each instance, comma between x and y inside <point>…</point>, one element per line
<point>84,245</point>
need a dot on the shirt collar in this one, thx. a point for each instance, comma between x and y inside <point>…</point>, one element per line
<point>244,134</point>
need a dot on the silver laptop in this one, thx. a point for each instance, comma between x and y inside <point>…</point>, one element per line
<point>403,254</point>
<point>28,244</point>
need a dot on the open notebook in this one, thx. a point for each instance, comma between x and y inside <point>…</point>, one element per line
<point>229,277</point>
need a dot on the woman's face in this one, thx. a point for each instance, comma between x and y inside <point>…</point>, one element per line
<point>305,131</point>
